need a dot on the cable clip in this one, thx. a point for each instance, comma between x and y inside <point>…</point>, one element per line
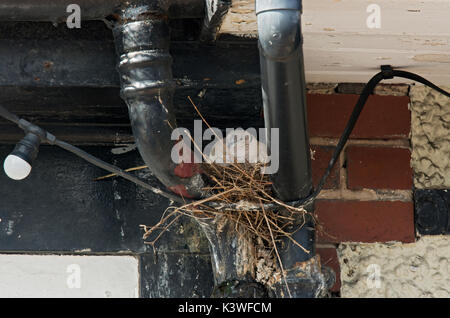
<point>387,71</point>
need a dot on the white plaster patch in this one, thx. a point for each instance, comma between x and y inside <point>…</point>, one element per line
<point>430,137</point>
<point>52,276</point>
<point>420,269</point>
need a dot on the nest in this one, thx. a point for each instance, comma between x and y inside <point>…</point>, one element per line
<point>248,189</point>
<point>240,192</point>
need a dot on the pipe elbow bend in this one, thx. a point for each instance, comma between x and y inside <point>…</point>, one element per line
<point>279,33</point>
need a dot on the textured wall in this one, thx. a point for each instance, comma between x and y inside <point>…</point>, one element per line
<point>430,137</point>
<point>420,269</point>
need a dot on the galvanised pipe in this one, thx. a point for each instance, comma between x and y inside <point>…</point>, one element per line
<point>284,99</point>
<point>142,43</point>
<point>55,10</point>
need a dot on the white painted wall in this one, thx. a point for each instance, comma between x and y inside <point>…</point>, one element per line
<point>68,276</point>
<point>339,45</point>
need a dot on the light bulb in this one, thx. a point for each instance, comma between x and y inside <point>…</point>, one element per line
<point>16,168</point>
<point>18,164</point>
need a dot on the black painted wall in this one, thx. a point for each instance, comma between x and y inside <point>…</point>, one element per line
<point>59,208</point>
<point>54,76</point>
<point>66,81</point>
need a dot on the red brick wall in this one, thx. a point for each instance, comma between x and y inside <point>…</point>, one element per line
<point>368,195</point>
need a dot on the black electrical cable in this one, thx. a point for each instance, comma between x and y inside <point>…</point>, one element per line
<point>367,91</point>
<point>386,73</point>
<point>420,79</point>
<point>49,138</point>
<point>111,168</point>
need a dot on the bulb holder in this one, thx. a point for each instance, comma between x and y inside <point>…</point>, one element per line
<point>28,148</point>
<point>17,165</point>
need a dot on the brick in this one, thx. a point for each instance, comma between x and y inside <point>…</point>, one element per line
<point>382,116</point>
<point>322,156</point>
<point>378,168</point>
<point>328,257</point>
<point>365,221</point>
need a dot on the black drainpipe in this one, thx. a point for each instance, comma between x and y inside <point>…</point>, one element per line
<point>284,99</point>
<point>142,43</point>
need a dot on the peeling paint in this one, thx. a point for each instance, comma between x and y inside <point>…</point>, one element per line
<point>440,58</point>
<point>124,149</point>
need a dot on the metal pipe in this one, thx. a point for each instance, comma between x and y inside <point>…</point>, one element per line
<point>142,43</point>
<point>55,10</point>
<point>284,100</point>
<point>283,89</point>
